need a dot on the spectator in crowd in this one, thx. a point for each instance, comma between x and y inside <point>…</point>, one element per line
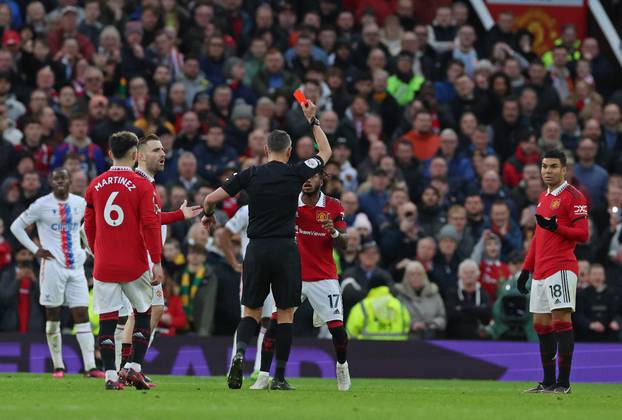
<point>598,315</point>
<point>380,315</point>
<point>69,28</point>
<point>187,169</point>
<point>425,143</point>
<point>493,271</point>
<point>213,154</point>
<point>526,153</point>
<point>116,120</point>
<point>423,301</point>
<point>591,175</point>
<point>198,286</point>
<point>6,251</point>
<point>356,280</point>
<point>468,307</point>
<point>502,225</point>
<point>273,78</point>
<point>400,235</point>
<point>19,295</point>
<point>447,259</point>
<point>78,141</point>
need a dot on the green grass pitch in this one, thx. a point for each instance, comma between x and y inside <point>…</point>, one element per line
<point>40,396</point>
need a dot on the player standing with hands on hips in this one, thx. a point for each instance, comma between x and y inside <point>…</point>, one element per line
<point>62,280</point>
<point>561,217</point>
<point>272,258</point>
<point>122,225</point>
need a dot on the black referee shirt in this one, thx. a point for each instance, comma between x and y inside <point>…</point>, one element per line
<point>273,191</point>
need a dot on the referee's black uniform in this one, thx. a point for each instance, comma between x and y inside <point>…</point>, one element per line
<point>272,254</point>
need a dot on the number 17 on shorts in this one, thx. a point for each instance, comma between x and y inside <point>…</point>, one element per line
<point>557,291</point>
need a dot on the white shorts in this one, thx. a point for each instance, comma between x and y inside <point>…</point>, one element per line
<point>62,286</point>
<point>557,291</point>
<point>158,293</point>
<point>110,297</point>
<point>325,299</point>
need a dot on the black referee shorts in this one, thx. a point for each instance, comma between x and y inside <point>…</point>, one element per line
<point>271,262</point>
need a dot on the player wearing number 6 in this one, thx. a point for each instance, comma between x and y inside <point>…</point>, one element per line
<point>561,218</point>
<point>122,225</point>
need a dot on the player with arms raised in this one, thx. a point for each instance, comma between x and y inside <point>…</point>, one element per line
<point>62,280</point>
<point>319,226</point>
<point>561,218</point>
<point>122,226</point>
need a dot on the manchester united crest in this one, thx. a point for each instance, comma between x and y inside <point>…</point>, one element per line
<point>322,216</point>
<point>159,293</point>
<point>555,204</point>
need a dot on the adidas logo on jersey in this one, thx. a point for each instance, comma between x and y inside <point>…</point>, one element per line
<point>557,301</point>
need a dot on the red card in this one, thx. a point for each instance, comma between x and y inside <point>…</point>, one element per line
<point>300,97</point>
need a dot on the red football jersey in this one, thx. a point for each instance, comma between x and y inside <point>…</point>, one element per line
<point>551,252</point>
<point>314,242</point>
<point>492,272</point>
<point>121,224</point>
<point>166,217</point>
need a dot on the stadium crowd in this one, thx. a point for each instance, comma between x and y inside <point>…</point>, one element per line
<point>437,128</point>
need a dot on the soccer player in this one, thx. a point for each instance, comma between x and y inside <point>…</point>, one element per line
<point>122,225</point>
<point>320,225</point>
<point>58,216</point>
<point>272,259</point>
<point>151,157</point>
<point>561,218</point>
<point>238,224</point>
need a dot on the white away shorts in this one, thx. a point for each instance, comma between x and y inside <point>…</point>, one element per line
<point>557,291</point>
<point>62,286</point>
<point>325,299</point>
<point>110,297</point>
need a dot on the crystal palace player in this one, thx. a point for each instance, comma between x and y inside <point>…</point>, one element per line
<point>561,218</point>
<point>122,226</point>
<point>319,226</point>
<point>151,157</point>
<point>272,259</point>
<point>62,280</point>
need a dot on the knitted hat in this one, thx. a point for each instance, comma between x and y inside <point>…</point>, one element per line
<point>242,110</point>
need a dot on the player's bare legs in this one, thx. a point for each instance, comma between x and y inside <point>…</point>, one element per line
<point>54,339</point>
<point>84,335</point>
<point>156,315</point>
<point>245,332</point>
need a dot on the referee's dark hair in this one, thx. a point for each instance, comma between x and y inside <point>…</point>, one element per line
<point>121,143</point>
<point>555,154</point>
<point>279,141</point>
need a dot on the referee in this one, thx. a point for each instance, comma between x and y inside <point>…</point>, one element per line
<point>272,258</point>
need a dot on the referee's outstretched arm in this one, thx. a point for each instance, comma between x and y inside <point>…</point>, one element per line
<point>324,150</point>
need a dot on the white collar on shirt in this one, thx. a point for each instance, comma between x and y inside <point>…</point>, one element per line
<point>557,191</point>
<point>320,203</point>
<point>121,168</point>
<point>144,175</point>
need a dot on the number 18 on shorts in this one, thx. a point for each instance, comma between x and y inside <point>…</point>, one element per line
<point>557,291</point>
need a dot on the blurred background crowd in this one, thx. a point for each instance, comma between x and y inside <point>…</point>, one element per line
<point>437,127</point>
